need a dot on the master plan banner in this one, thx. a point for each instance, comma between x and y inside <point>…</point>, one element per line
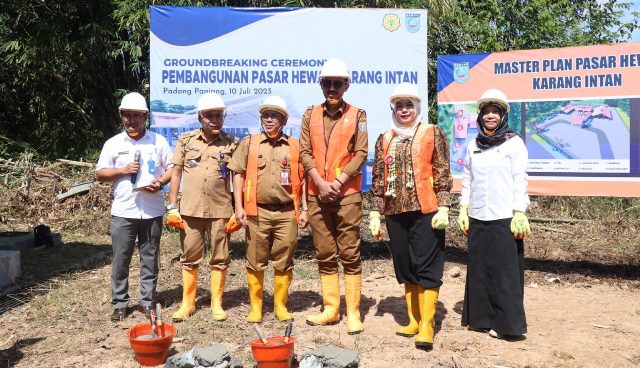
<point>577,109</point>
<point>247,54</point>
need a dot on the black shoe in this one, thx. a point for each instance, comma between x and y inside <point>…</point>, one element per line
<point>119,314</point>
<point>427,346</point>
<point>146,310</point>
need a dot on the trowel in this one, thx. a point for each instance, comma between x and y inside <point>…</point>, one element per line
<point>260,334</point>
<point>287,333</point>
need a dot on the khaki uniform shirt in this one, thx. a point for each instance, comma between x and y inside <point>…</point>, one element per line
<point>358,145</point>
<point>273,159</point>
<point>205,193</point>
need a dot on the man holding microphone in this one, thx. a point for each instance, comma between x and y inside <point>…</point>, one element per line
<point>137,163</point>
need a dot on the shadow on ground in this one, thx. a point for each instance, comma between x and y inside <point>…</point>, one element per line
<point>628,272</point>
<point>12,355</point>
<point>40,265</point>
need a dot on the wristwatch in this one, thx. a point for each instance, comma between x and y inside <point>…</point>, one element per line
<point>161,184</point>
<point>171,207</point>
<point>304,209</point>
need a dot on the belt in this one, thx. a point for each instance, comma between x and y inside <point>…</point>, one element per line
<point>277,207</point>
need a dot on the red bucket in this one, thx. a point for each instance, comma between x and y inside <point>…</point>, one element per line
<point>151,352</point>
<point>277,354</point>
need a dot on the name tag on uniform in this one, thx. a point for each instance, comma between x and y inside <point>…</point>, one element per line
<point>284,178</point>
<point>474,152</point>
<point>151,164</point>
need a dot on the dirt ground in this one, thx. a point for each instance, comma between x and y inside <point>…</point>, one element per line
<point>580,314</point>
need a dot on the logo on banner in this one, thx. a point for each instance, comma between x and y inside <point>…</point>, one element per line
<point>391,22</point>
<point>461,72</point>
<point>412,22</point>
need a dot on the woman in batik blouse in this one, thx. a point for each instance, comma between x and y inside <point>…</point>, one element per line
<point>411,187</point>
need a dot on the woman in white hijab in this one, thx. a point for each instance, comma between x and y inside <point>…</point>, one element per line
<point>411,186</point>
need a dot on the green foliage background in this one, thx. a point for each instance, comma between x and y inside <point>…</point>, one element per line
<point>65,64</point>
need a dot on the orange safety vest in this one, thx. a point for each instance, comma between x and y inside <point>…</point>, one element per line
<point>421,154</point>
<point>251,175</point>
<point>331,155</point>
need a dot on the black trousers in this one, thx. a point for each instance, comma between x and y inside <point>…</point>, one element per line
<point>494,292</point>
<point>417,249</point>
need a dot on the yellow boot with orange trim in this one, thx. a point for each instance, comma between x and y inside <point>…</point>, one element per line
<point>281,283</point>
<point>428,300</point>
<point>218,278</point>
<point>189,287</point>
<point>330,301</point>
<point>255,282</point>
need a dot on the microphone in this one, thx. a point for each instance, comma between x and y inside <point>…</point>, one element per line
<point>136,158</point>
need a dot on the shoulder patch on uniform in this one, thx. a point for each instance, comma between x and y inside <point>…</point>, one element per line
<point>189,134</point>
<point>362,126</point>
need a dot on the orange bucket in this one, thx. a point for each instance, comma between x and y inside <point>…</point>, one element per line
<point>277,354</point>
<point>151,351</point>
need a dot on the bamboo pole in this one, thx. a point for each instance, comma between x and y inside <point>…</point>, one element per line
<point>76,163</point>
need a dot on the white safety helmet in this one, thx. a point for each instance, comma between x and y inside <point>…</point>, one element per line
<point>494,96</point>
<point>276,103</point>
<point>210,101</point>
<point>405,90</point>
<point>334,68</point>
<point>133,101</point>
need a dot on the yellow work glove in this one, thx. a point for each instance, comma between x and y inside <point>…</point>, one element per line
<point>232,225</point>
<point>174,219</point>
<point>440,220</point>
<point>374,225</point>
<point>520,225</point>
<point>463,219</point>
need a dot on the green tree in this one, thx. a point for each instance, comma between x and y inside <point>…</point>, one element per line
<point>57,80</point>
<point>500,25</point>
<point>63,65</point>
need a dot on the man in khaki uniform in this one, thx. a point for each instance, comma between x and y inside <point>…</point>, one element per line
<point>268,191</point>
<point>333,147</point>
<point>200,158</point>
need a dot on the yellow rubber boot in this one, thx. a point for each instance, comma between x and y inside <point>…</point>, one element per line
<point>427,299</point>
<point>255,282</point>
<point>413,310</point>
<point>218,278</point>
<point>281,283</point>
<point>330,301</point>
<point>189,286</point>
<point>352,290</point>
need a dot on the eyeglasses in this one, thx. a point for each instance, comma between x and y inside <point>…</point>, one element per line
<point>327,83</point>
<point>271,115</point>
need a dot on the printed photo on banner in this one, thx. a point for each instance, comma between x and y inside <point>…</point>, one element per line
<point>577,109</point>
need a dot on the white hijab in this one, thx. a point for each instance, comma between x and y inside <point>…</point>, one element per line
<point>405,131</point>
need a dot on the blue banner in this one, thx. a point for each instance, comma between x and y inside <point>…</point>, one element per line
<point>247,54</point>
